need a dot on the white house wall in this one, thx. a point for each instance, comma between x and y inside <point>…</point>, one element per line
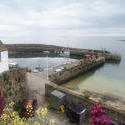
<point>4,61</point>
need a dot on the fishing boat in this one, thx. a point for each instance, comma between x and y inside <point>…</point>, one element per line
<point>13,64</point>
<point>65,52</point>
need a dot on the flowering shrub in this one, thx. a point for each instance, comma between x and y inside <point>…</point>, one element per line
<point>11,117</point>
<point>98,116</point>
<point>1,103</point>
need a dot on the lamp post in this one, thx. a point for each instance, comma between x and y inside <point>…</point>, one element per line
<point>47,66</point>
<point>47,52</point>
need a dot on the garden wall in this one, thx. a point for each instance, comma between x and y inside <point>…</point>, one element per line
<point>13,85</point>
<point>79,99</point>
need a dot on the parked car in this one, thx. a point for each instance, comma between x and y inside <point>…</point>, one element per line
<point>59,69</point>
<point>28,108</point>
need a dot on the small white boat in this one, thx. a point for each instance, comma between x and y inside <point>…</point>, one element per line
<point>61,68</point>
<point>65,53</point>
<point>35,70</point>
<point>13,64</point>
<point>58,70</point>
<point>46,52</point>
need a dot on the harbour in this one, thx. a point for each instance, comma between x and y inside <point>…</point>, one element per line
<point>108,79</point>
<point>74,87</point>
<point>62,62</point>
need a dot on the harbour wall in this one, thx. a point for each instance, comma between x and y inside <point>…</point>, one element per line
<point>108,56</point>
<point>40,48</point>
<point>74,97</point>
<point>75,69</point>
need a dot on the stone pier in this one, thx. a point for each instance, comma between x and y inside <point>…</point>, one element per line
<point>75,68</point>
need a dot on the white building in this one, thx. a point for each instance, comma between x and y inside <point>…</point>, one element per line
<point>3,59</point>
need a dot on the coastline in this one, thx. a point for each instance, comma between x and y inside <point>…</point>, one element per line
<point>41,48</point>
<point>37,48</point>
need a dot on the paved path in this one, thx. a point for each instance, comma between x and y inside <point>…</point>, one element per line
<point>36,85</point>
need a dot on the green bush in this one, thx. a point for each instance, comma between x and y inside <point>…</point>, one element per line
<point>4,94</point>
<point>87,95</point>
<point>5,77</point>
<point>52,104</point>
<point>100,101</point>
<point>17,106</point>
<point>10,83</point>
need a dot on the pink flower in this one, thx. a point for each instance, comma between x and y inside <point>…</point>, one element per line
<point>2,102</point>
<point>97,116</point>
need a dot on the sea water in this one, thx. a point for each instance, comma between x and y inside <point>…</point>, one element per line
<point>108,79</point>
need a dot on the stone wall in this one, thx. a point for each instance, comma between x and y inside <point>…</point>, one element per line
<point>74,97</point>
<point>106,54</point>
<point>13,85</point>
<point>112,57</point>
<point>72,71</point>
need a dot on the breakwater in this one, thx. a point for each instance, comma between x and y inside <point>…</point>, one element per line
<point>36,48</point>
<point>75,68</point>
<point>40,48</point>
<point>108,55</point>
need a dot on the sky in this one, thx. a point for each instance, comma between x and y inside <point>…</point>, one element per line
<point>40,20</point>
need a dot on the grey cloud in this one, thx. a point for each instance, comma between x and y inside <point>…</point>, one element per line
<point>24,18</point>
